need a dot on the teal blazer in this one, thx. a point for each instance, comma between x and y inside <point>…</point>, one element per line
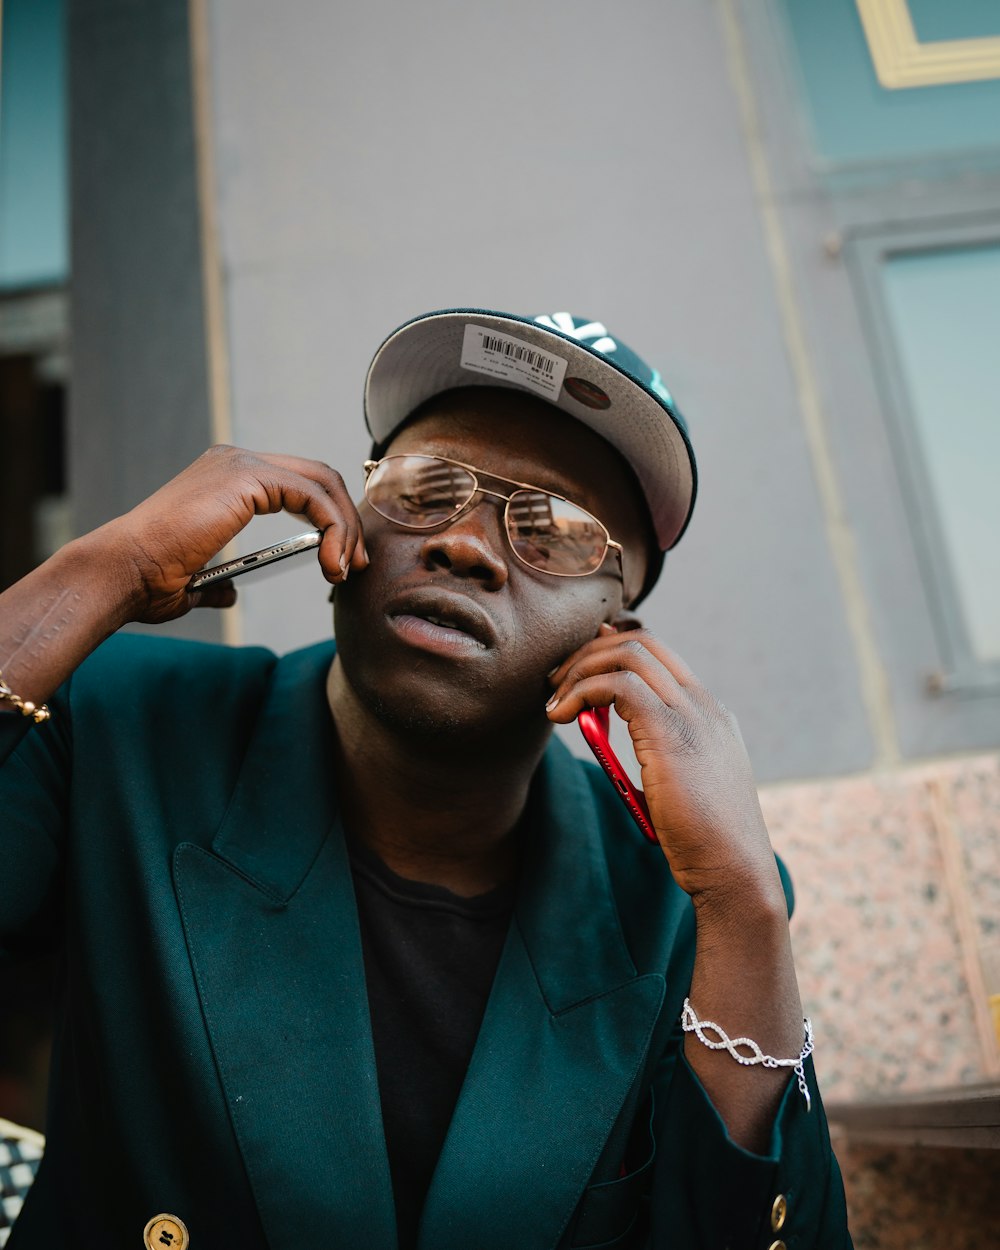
<point>173,833</point>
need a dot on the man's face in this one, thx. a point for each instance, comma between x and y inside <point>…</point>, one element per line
<point>514,623</point>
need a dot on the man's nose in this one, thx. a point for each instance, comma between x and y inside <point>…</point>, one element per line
<point>474,545</point>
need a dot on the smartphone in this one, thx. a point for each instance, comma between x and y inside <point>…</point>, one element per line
<point>256,559</point>
<point>594,724</point>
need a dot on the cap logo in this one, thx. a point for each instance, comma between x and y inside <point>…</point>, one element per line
<point>595,330</point>
<point>585,392</point>
<point>656,385</point>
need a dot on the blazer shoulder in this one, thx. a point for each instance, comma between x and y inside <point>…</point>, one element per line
<point>126,653</point>
<point>140,666</point>
<point>142,689</point>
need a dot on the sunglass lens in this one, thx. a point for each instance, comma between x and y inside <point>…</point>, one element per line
<point>419,491</point>
<point>554,535</point>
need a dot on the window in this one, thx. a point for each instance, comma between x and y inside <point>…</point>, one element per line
<point>936,308</point>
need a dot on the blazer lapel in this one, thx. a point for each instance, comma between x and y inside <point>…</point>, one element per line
<point>272,931</point>
<point>564,1034</point>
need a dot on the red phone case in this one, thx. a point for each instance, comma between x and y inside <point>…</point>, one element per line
<point>594,723</point>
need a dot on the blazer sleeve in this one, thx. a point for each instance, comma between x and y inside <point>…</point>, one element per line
<point>140,709</point>
<point>34,783</point>
<point>708,1192</point>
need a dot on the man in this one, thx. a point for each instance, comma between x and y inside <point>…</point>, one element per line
<point>354,954</point>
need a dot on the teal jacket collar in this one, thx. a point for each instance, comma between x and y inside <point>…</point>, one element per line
<point>272,932</point>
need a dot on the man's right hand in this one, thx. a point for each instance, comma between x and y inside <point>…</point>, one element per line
<point>158,547</point>
<point>138,567</point>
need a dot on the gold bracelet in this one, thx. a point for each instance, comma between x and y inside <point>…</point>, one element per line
<point>24,706</point>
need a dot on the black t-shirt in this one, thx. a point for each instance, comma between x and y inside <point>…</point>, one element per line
<point>430,958</point>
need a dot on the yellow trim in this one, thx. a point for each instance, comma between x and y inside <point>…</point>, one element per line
<point>815,418</point>
<point>901,60</point>
<point>995,1011</point>
<point>956,882</point>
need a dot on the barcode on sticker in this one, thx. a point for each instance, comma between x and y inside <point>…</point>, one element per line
<point>512,359</point>
<point>517,351</point>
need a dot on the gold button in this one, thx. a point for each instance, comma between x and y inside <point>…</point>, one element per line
<point>167,1232</point>
<point>778,1213</point>
<point>777,1245</point>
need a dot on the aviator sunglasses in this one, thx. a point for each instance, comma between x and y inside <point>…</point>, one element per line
<point>546,532</point>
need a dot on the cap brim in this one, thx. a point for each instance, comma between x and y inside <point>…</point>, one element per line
<point>424,357</point>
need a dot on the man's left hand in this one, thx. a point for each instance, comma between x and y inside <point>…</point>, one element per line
<point>696,774</point>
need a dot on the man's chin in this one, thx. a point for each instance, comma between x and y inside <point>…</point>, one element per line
<point>443,710</point>
<point>419,719</point>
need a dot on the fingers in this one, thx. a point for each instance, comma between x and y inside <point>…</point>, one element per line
<point>645,688</point>
<point>317,492</point>
<point>629,694</point>
<point>163,541</point>
<point>638,651</point>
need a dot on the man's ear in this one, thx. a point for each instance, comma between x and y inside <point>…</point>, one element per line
<point>624,620</point>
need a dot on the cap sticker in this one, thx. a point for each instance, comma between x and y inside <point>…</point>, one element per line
<point>512,360</point>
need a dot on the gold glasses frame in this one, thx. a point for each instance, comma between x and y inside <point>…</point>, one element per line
<point>478,489</point>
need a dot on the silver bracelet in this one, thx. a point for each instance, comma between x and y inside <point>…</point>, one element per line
<point>691,1024</point>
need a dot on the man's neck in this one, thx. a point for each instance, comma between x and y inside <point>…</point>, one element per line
<point>432,812</point>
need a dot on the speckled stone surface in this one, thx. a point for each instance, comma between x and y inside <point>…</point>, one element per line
<point>921,1199</point>
<point>887,941</point>
<point>876,940</point>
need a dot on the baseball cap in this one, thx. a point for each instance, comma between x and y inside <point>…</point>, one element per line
<point>571,362</point>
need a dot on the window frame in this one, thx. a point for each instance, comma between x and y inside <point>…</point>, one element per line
<point>867,251</point>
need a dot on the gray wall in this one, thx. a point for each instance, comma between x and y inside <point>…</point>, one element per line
<point>837,223</point>
<point>377,161</point>
<point>645,164</point>
<point>139,400</point>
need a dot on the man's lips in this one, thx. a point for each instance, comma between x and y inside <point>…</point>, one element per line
<point>438,616</point>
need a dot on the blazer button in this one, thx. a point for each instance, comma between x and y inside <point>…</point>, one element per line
<point>165,1232</point>
<point>778,1212</point>
<point>777,1245</point>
